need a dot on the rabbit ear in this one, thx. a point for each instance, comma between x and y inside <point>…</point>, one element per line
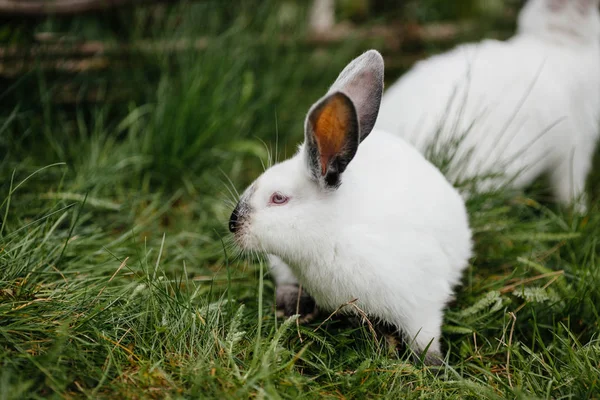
<point>338,122</point>
<point>362,82</point>
<point>331,138</point>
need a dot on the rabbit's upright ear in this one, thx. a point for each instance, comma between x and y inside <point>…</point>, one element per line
<point>362,82</point>
<point>332,137</point>
<point>337,123</point>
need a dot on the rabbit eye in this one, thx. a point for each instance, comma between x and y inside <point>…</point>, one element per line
<point>278,199</point>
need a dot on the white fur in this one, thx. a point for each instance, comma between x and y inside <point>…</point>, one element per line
<point>523,107</point>
<point>394,235</point>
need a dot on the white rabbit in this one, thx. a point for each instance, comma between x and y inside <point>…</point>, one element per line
<point>518,108</point>
<point>375,222</point>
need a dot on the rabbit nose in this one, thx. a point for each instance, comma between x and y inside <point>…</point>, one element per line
<point>233,221</point>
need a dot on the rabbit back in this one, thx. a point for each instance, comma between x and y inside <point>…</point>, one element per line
<point>511,107</point>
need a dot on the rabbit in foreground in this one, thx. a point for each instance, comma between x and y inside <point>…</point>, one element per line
<point>519,108</point>
<point>360,215</point>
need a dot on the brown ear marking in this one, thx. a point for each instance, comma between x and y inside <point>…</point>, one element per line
<point>333,122</point>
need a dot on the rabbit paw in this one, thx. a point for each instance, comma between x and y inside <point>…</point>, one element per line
<point>396,343</point>
<point>292,300</point>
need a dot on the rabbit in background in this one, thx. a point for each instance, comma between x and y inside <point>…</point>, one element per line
<point>359,214</point>
<point>510,111</point>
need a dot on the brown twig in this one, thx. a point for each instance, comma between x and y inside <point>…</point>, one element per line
<point>476,348</point>
<point>333,313</point>
<point>41,299</point>
<point>60,273</point>
<point>353,304</point>
<point>550,282</point>
<point>298,312</point>
<point>510,337</point>
<point>365,319</point>
<point>112,277</point>
<point>513,286</point>
<point>119,345</point>
<point>36,8</point>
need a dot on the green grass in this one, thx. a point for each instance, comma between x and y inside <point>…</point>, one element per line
<point>115,280</point>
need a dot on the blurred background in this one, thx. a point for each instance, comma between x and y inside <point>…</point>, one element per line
<point>174,100</point>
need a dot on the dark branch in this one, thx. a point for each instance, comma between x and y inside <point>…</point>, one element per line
<point>36,8</point>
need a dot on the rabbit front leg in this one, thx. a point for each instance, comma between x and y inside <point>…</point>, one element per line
<point>290,298</point>
<point>422,332</point>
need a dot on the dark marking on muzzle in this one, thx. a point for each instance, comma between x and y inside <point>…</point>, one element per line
<point>241,210</point>
<point>233,220</point>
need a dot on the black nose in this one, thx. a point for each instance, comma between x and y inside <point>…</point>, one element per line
<point>233,221</point>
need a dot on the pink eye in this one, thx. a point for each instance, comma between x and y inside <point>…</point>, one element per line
<point>278,199</point>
